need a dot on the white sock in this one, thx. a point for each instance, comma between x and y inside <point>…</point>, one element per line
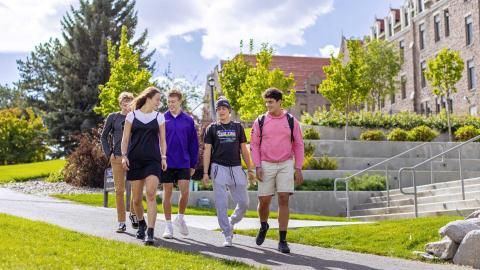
<point>121,223</point>
<point>169,223</point>
<point>180,216</point>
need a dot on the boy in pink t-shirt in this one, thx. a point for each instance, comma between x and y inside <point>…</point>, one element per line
<point>277,150</point>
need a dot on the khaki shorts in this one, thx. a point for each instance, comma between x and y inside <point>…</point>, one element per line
<point>277,177</point>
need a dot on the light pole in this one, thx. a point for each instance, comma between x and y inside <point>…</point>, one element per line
<point>211,83</point>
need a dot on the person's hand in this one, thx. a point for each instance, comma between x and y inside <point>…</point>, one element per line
<point>205,179</point>
<point>192,172</point>
<point>259,171</point>
<point>298,176</point>
<point>251,177</point>
<point>125,163</point>
<point>164,165</point>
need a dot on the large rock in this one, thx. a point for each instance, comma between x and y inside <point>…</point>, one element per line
<point>475,214</point>
<point>456,230</point>
<point>469,251</point>
<point>444,249</point>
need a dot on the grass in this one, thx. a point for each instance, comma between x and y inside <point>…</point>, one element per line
<point>28,171</point>
<point>38,245</point>
<point>395,238</point>
<point>96,199</point>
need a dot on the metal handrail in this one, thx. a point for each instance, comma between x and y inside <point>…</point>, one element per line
<point>347,179</point>
<point>412,168</point>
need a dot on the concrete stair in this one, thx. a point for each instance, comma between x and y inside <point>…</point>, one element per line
<point>433,200</point>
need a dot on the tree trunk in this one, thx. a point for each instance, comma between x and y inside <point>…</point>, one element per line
<point>346,123</point>
<point>448,120</point>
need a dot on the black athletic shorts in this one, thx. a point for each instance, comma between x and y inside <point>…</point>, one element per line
<point>173,175</point>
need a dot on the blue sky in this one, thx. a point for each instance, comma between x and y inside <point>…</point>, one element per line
<point>192,35</point>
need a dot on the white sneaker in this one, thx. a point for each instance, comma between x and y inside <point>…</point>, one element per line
<point>181,225</point>
<point>168,234</point>
<point>228,241</point>
<point>232,226</point>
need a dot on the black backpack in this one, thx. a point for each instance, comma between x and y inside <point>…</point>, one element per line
<point>290,119</point>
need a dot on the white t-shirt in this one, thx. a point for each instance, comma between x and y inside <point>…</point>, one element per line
<point>145,117</point>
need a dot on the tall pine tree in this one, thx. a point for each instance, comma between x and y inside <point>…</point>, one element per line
<point>64,74</point>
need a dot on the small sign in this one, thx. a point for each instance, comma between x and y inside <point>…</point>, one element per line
<point>108,183</point>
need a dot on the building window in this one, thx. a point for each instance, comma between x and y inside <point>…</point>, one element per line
<point>313,88</point>
<point>390,32</point>
<point>420,5</point>
<point>421,35</point>
<point>427,108</point>
<point>403,82</point>
<point>469,30</point>
<point>392,98</point>
<point>473,110</point>
<point>446,18</point>
<point>405,16</point>
<point>472,80</point>
<point>436,25</point>
<point>450,105</point>
<point>401,45</point>
<point>437,106</point>
<point>422,108</point>
<point>423,67</point>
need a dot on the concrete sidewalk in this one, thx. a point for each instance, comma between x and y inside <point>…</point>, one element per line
<point>101,222</point>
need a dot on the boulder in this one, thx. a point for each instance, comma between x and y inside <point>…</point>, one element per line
<point>456,230</point>
<point>444,249</point>
<point>468,252</point>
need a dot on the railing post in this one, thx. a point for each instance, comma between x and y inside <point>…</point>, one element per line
<point>348,200</point>
<point>387,185</point>
<point>415,193</point>
<point>431,165</point>
<point>461,173</point>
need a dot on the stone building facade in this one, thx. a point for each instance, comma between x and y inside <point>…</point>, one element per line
<point>308,73</point>
<point>421,28</point>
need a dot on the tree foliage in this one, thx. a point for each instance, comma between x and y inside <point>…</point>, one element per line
<point>125,75</point>
<point>233,75</point>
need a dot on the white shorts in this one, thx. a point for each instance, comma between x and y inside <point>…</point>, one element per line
<point>277,177</point>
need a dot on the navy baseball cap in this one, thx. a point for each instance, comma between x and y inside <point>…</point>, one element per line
<point>223,102</point>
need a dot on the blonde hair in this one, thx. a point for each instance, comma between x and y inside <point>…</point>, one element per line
<point>125,96</point>
<point>149,92</point>
<point>174,92</point>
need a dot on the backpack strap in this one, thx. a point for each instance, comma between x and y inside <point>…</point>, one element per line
<point>261,122</point>
<point>291,124</point>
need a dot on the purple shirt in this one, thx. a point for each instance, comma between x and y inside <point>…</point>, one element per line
<point>182,141</point>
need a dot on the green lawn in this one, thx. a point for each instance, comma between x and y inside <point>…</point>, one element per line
<point>397,238</point>
<point>38,245</point>
<point>27,171</point>
<point>96,199</point>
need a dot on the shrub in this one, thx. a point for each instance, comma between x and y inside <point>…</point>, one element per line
<point>367,183</point>
<point>55,177</point>
<point>87,163</point>
<point>398,134</point>
<point>372,135</point>
<point>465,133</point>
<point>422,134</point>
<point>310,163</point>
<point>22,136</point>
<point>309,149</point>
<point>311,134</point>
<point>327,163</point>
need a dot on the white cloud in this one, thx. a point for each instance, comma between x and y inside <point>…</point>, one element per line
<point>187,38</point>
<point>25,23</point>
<point>328,50</point>
<point>223,24</point>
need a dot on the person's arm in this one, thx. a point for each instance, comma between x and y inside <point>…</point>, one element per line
<point>107,128</point>
<point>163,146</point>
<point>193,147</point>
<point>255,149</point>
<point>298,151</point>
<point>248,161</point>
<point>125,141</point>
<point>207,152</point>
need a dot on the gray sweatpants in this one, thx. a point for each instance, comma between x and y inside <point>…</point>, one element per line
<point>234,180</point>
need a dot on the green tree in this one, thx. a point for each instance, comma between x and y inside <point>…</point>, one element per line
<point>66,73</point>
<point>383,63</point>
<point>22,136</point>
<point>125,75</point>
<point>345,85</point>
<point>258,79</point>
<point>443,72</point>
<point>11,97</point>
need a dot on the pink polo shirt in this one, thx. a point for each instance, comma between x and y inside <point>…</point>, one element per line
<point>276,142</point>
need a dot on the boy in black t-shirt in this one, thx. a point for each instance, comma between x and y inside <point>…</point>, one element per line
<point>224,142</point>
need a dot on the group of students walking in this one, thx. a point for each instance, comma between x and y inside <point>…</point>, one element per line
<point>148,148</point>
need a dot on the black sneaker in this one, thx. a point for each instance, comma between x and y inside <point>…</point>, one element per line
<point>283,247</point>
<point>150,240</point>
<point>261,235</point>
<point>134,220</point>
<point>121,228</point>
<point>142,227</point>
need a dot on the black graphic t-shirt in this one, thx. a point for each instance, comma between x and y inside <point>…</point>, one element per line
<point>225,140</point>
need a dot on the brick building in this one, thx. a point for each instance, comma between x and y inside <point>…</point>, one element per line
<point>308,73</point>
<point>421,28</point>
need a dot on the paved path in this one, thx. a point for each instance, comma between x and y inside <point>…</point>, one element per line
<point>98,221</point>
